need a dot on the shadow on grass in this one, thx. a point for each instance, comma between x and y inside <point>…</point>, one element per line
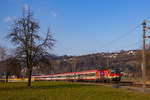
<point>41,86</point>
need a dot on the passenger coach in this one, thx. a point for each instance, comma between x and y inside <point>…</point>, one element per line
<point>88,75</point>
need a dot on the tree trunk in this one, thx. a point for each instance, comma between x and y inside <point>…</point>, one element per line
<point>29,77</point>
<point>6,80</point>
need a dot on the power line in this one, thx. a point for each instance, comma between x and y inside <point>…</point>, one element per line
<point>120,37</point>
<point>133,44</point>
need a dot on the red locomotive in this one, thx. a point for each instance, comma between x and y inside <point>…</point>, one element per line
<point>88,75</point>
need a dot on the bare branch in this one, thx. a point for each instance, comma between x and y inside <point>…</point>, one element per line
<point>25,35</point>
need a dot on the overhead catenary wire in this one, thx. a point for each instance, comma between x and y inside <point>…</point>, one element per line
<point>121,37</point>
<point>133,44</point>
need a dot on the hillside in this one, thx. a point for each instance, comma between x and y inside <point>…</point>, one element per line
<point>124,60</point>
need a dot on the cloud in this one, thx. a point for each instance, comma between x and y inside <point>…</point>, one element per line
<point>26,7</point>
<point>54,14</point>
<point>7,19</point>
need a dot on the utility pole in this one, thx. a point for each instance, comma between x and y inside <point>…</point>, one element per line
<point>74,66</point>
<point>107,60</point>
<point>144,56</point>
<point>74,61</point>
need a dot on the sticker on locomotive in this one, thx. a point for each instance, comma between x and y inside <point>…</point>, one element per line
<point>102,74</point>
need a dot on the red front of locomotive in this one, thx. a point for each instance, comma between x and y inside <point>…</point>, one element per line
<point>102,75</point>
<point>115,75</point>
<point>108,75</point>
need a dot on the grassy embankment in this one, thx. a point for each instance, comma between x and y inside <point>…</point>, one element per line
<point>65,91</point>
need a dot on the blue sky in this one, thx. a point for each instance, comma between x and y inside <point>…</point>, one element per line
<point>82,26</point>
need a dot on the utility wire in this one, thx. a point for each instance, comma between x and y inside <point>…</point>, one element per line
<point>133,44</point>
<point>120,37</point>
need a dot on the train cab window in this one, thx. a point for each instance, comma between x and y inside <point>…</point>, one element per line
<point>117,71</point>
<point>114,71</point>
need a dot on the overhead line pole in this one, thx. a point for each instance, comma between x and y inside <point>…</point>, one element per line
<point>144,56</point>
<point>108,60</point>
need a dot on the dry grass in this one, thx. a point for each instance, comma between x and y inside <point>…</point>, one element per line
<point>65,91</point>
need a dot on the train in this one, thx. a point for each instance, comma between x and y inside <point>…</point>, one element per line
<point>108,75</point>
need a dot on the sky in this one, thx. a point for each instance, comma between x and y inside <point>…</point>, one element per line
<point>82,27</point>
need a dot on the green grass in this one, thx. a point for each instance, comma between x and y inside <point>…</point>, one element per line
<point>65,91</point>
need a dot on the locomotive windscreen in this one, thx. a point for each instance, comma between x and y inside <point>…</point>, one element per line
<point>115,71</point>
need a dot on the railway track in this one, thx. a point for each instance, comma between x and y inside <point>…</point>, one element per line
<point>122,85</point>
<point>131,84</point>
<point>118,84</point>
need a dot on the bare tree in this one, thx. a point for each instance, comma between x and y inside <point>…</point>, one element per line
<point>30,45</point>
<point>45,65</point>
<point>2,60</point>
<point>2,53</point>
<point>12,67</point>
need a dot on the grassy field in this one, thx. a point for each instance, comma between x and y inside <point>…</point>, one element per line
<point>65,91</point>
